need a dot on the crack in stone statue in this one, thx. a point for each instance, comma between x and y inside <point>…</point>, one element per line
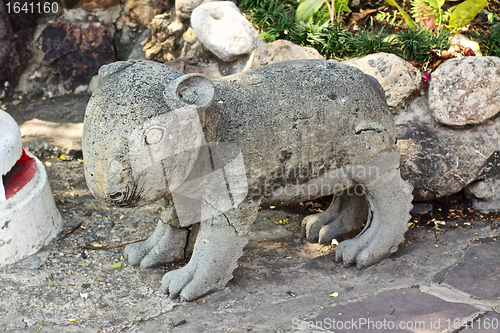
<point>216,150</point>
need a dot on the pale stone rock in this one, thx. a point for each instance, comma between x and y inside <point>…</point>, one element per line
<point>277,51</point>
<point>398,77</point>
<point>223,30</point>
<point>465,90</point>
<point>184,8</point>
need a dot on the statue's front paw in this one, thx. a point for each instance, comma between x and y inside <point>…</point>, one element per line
<point>165,245</point>
<point>368,248</point>
<point>189,283</point>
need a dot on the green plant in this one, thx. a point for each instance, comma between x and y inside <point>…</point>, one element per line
<point>336,8</point>
<point>391,19</point>
<point>409,22</point>
<point>419,44</point>
<point>464,13</point>
<point>491,43</point>
<point>275,18</point>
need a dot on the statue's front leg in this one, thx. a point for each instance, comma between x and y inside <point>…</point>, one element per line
<point>166,244</point>
<point>218,247</point>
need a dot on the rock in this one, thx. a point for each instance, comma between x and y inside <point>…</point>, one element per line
<point>465,90</point>
<point>415,112</point>
<point>185,66</point>
<point>189,36</point>
<point>76,50</point>
<point>184,8</point>
<point>222,28</point>
<point>398,77</point>
<point>277,51</point>
<point>485,195</point>
<point>421,208</point>
<point>15,35</point>
<point>162,44</point>
<point>442,161</point>
<point>141,12</point>
<point>89,5</point>
<point>137,52</point>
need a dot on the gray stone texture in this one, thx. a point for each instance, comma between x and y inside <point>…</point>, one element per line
<point>222,28</point>
<point>441,161</point>
<point>400,310</point>
<point>278,51</point>
<point>480,263</point>
<point>398,77</point>
<point>305,129</point>
<point>465,90</point>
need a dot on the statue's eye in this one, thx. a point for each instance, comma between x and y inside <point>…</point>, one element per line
<point>154,136</point>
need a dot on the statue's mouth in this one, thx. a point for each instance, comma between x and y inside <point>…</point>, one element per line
<point>129,197</point>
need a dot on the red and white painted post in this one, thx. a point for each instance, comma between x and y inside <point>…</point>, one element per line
<point>29,218</point>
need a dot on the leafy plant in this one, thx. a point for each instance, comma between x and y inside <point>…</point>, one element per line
<point>336,8</point>
<point>275,18</point>
<point>392,19</point>
<point>465,12</point>
<point>491,43</point>
<point>419,44</point>
<point>409,22</point>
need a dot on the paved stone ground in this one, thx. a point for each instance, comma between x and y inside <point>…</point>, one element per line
<point>438,281</point>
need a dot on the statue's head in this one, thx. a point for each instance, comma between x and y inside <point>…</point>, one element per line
<point>141,133</point>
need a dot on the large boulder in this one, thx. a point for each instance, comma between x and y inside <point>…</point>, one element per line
<point>76,50</point>
<point>465,90</point>
<point>222,29</point>
<point>398,77</point>
<point>277,51</point>
<point>15,34</point>
<point>442,161</point>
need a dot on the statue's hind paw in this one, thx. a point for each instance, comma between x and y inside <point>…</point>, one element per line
<point>389,199</point>
<point>165,245</point>
<point>345,214</point>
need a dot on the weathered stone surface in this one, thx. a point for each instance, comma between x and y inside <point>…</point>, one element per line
<point>162,42</point>
<point>334,131</point>
<point>485,195</point>
<point>442,161</point>
<point>277,51</point>
<point>184,8</point>
<point>465,90</point>
<point>141,12</point>
<point>186,66</point>
<point>15,34</point>
<point>481,263</point>
<point>76,50</point>
<point>401,310</point>
<point>398,77</point>
<point>222,28</point>
<point>89,4</point>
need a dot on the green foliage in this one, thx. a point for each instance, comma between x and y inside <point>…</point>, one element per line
<point>307,9</point>
<point>465,12</point>
<point>409,22</point>
<point>392,19</point>
<point>419,44</point>
<point>491,43</point>
<point>275,18</point>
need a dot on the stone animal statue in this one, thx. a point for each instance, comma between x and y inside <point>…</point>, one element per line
<point>282,133</point>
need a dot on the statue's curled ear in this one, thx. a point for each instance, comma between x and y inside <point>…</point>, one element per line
<point>191,89</point>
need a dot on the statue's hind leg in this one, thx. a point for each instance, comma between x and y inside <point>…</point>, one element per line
<point>389,202</point>
<point>346,213</point>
